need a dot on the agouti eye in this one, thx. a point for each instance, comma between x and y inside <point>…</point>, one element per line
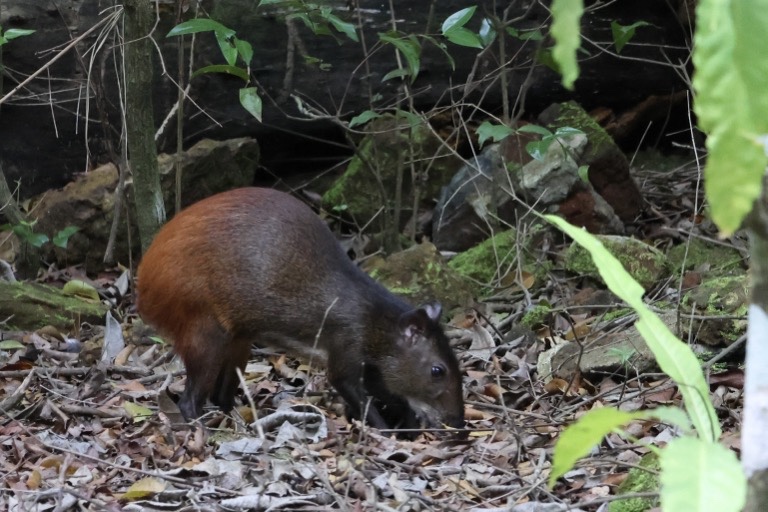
<point>438,371</point>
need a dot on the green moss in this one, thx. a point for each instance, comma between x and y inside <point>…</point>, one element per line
<point>644,263</point>
<point>572,115</point>
<point>483,261</point>
<point>718,258</point>
<point>642,479</point>
<point>619,313</point>
<point>536,317</point>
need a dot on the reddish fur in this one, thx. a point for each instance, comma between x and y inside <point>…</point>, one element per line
<point>256,265</point>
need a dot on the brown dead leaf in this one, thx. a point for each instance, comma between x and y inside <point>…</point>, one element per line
<point>493,390</point>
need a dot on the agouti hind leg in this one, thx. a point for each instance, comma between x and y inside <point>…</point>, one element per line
<point>228,381</point>
<point>204,352</point>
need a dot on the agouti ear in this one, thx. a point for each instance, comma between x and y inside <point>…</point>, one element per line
<point>434,310</point>
<point>415,321</point>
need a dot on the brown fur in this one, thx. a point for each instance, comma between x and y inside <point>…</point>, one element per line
<point>258,266</point>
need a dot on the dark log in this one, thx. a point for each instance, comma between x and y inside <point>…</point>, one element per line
<point>43,144</point>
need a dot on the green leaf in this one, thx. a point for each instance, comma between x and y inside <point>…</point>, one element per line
<point>78,288</point>
<point>61,238</point>
<point>731,104</point>
<point>567,131</point>
<point>245,50</point>
<point>409,48</point>
<point>544,57</point>
<point>487,33</point>
<point>251,101</point>
<point>566,16</point>
<point>223,68</point>
<point>32,238</point>
<point>363,118</point>
<point>457,19</point>
<point>584,173</point>
<point>228,46</point>
<point>623,33</point>
<point>578,439</point>
<point>700,476</point>
<point>13,33</point>
<point>675,358</point>
<point>495,132</point>
<point>413,119</point>
<point>137,412</point>
<point>538,148</point>
<point>11,345</point>
<point>200,25</point>
<point>534,128</point>
<point>525,35</point>
<point>346,28</point>
<point>396,73</point>
<point>464,37</point>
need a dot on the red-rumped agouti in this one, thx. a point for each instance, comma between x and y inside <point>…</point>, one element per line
<point>255,265</point>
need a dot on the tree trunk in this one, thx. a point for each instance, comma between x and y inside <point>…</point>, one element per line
<point>150,210</point>
<point>754,441</point>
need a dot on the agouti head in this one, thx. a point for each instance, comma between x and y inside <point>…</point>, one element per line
<point>426,373</point>
<point>258,266</point>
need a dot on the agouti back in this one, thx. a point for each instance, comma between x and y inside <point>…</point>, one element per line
<point>255,265</point>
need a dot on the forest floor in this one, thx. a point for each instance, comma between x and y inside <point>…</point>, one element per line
<point>76,435</point>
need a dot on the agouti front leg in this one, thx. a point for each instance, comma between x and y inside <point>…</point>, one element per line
<point>350,386</point>
<point>228,382</point>
<point>203,351</point>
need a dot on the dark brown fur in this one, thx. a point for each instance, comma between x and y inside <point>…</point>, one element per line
<point>258,266</point>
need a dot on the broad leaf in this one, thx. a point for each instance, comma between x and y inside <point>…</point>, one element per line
<point>495,132</point>
<point>566,16</point>
<point>363,118</point>
<point>222,68</point>
<point>410,50</point>
<point>251,101</point>
<point>578,439</point>
<point>346,28</point>
<point>701,476</point>
<point>200,25</point>
<point>675,358</point>
<point>731,104</point>
<point>457,19</point>
<point>464,37</point>
<point>623,33</point>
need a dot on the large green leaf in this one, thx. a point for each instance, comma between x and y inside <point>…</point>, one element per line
<point>731,103</point>
<point>200,25</point>
<point>675,358</point>
<point>578,439</point>
<point>566,15</point>
<point>697,476</point>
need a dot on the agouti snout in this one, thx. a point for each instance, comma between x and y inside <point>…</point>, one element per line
<point>258,266</point>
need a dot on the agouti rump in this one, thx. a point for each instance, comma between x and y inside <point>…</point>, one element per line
<point>255,265</point>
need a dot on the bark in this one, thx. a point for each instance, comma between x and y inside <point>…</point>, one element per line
<point>754,441</point>
<point>150,210</point>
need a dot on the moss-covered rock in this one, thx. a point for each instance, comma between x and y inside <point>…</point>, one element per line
<point>642,479</point>
<point>720,305</point>
<point>644,263</point>
<point>700,254</point>
<point>608,167</point>
<point>420,274</point>
<point>30,306</point>
<point>370,180</point>
<point>495,262</point>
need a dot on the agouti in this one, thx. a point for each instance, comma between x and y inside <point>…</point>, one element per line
<point>255,265</point>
